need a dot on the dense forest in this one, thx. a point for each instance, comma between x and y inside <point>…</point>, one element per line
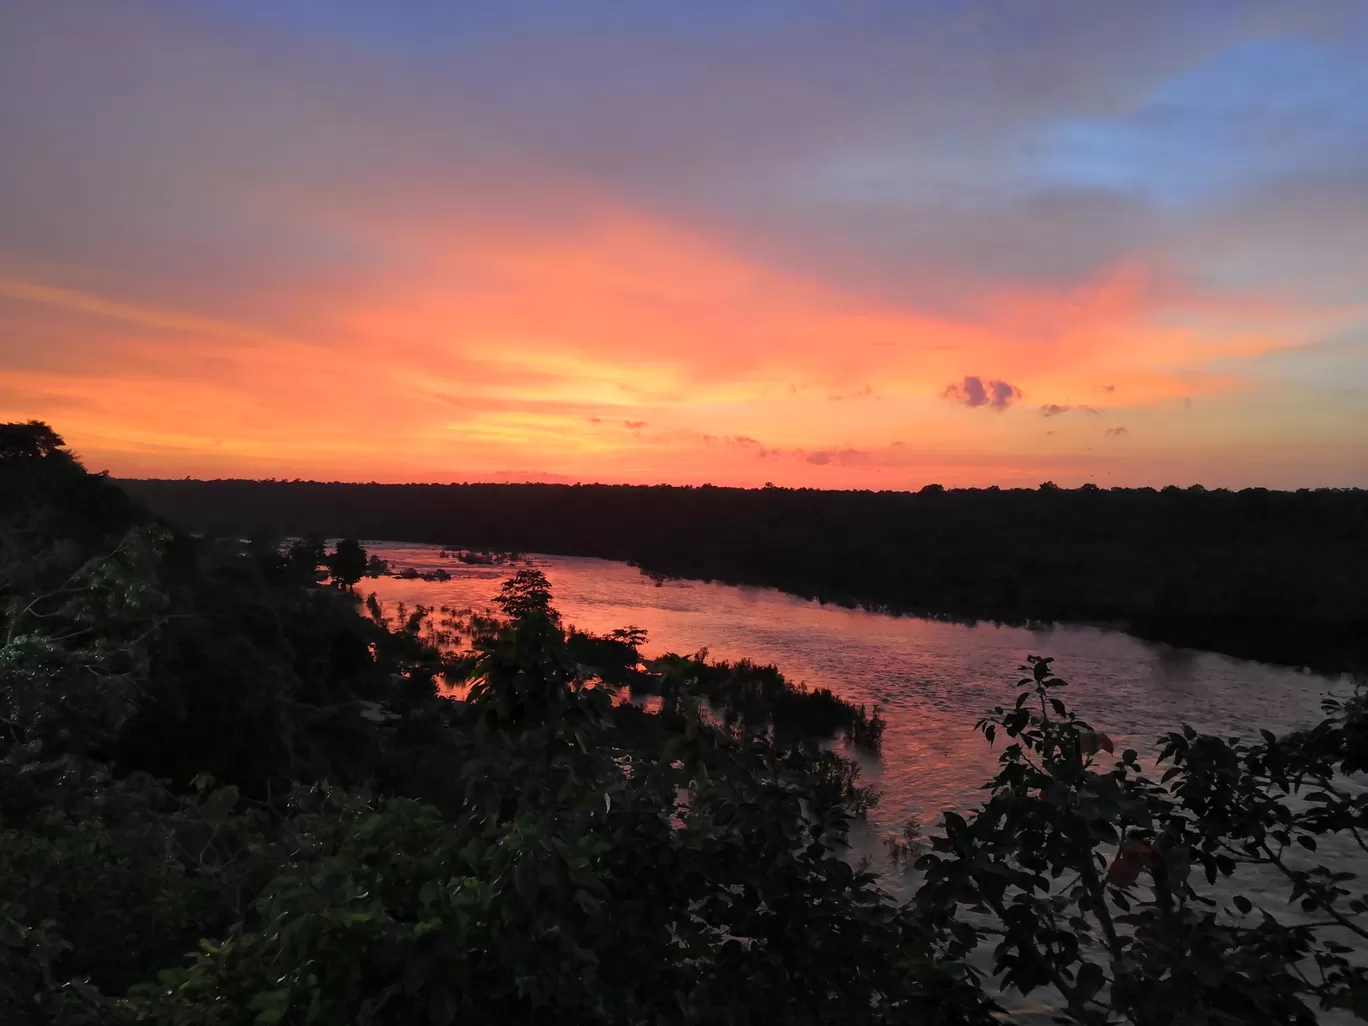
<point>1262,574</point>
<point>231,794</point>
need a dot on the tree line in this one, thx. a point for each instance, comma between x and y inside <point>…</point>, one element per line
<point>1262,574</point>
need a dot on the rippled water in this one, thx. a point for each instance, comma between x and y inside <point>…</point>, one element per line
<point>932,680</point>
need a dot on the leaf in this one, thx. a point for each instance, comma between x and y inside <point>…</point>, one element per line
<point>1093,741</point>
<point>428,893</point>
<point>1089,980</point>
<point>270,1006</point>
<point>1243,903</point>
<point>954,824</point>
<point>1124,870</point>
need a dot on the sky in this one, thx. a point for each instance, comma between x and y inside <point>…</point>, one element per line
<point>819,243</point>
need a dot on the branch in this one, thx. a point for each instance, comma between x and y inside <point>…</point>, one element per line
<point>1330,910</point>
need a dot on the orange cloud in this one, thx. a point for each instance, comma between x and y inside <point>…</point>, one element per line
<point>608,350</point>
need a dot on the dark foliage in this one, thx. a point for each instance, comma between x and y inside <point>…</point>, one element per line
<point>1117,891</point>
<point>1267,575</point>
<point>348,562</point>
<point>229,798</point>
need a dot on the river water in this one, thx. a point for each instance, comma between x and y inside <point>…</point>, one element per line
<point>932,680</point>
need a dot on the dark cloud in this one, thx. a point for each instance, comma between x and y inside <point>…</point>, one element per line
<point>974,391</point>
<point>1116,432</point>
<point>820,459</point>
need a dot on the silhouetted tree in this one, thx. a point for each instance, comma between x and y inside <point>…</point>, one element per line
<point>263,544</point>
<point>348,562</point>
<point>34,440</point>
<point>306,555</point>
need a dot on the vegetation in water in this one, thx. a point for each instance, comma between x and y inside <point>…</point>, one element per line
<point>230,794</point>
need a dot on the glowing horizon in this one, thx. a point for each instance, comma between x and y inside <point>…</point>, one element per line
<point>257,241</point>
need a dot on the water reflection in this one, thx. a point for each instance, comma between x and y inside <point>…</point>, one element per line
<point>933,679</point>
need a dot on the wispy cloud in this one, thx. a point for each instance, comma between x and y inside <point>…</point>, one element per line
<point>1055,410</point>
<point>847,457</point>
<point>142,316</point>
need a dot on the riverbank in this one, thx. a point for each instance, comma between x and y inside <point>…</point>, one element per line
<point>1258,574</point>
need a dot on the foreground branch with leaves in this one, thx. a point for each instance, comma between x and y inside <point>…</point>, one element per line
<point>1121,893</point>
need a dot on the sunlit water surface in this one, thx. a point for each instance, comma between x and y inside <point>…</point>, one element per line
<point>932,680</point>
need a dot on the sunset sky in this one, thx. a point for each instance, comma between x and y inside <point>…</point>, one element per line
<point>862,243</point>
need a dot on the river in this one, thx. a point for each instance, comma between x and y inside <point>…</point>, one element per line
<point>932,680</point>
